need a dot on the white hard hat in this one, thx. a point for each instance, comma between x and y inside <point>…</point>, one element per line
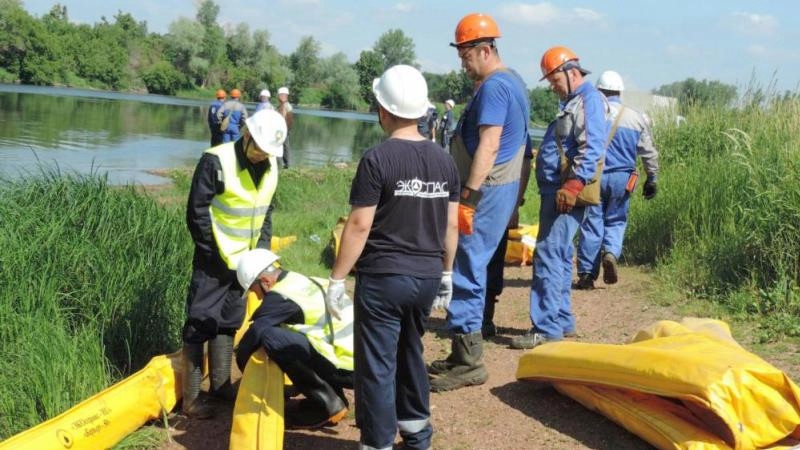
<point>610,81</point>
<point>450,102</point>
<point>283,90</point>
<point>268,128</point>
<point>402,91</point>
<point>251,264</point>
<point>265,93</point>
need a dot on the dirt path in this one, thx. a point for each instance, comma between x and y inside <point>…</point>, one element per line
<point>503,413</point>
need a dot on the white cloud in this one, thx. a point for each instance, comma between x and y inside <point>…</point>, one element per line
<point>752,24</point>
<point>756,50</point>
<point>546,13</point>
<point>297,3</point>
<point>403,7</point>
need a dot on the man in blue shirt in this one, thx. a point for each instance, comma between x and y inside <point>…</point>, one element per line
<point>578,137</point>
<point>489,150</point>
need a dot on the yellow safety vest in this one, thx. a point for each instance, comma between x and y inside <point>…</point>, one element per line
<point>238,213</point>
<point>331,338</point>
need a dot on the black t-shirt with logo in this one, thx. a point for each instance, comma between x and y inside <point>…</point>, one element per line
<point>412,183</point>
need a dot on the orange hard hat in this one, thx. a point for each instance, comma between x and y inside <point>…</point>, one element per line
<point>558,56</point>
<point>475,26</point>
<point>221,93</point>
<point>235,93</point>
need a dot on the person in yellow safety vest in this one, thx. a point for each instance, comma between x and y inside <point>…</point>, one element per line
<point>293,326</point>
<point>228,213</point>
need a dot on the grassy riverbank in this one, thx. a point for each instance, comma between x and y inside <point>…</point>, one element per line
<point>94,276</point>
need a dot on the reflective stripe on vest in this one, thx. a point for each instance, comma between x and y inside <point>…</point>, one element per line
<point>310,297</point>
<point>238,213</point>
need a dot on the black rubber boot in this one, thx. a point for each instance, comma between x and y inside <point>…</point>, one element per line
<point>488,329</point>
<point>466,365</point>
<point>192,361</point>
<point>585,282</point>
<point>220,352</point>
<point>323,405</point>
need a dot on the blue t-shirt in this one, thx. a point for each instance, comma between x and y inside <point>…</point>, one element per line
<point>501,100</point>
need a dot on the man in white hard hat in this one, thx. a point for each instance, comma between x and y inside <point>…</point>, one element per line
<point>263,100</point>
<point>448,123</point>
<point>401,235</point>
<point>228,213</point>
<point>285,108</point>
<point>603,227</point>
<point>292,325</point>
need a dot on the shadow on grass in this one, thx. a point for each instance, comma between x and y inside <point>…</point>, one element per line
<point>541,402</point>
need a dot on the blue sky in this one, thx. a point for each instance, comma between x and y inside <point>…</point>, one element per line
<point>650,43</point>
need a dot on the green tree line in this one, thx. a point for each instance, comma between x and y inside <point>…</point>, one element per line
<point>197,56</point>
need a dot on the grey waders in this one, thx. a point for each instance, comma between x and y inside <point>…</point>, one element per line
<point>220,351</point>
<point>463,367</point>
<point>192,355</point>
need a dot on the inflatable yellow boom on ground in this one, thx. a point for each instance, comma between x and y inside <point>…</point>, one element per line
<point>677,386</point>
<point>107,417</point>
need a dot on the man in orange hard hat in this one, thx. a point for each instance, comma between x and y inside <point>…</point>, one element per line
<point>213,120</point>
<point>570,156</point>
<point>234,112</point>
<point>488,148</point>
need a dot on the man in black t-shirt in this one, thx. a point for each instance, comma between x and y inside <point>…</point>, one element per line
<point>401,235</point>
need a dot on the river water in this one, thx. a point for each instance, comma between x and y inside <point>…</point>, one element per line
<point>126,135</point>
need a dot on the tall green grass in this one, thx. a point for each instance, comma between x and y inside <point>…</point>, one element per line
<point>726,222</point>
<point>93,281</point>
<point>94,278</point>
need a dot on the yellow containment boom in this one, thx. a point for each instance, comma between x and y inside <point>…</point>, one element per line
<point>258,413</point>
<point>677,386</point>
<point>106,418</point>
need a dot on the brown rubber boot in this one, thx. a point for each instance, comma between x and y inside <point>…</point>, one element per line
<point>467,365</point>
<point>609,269</point>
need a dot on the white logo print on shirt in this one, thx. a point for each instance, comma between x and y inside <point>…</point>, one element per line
<point>422,189</point>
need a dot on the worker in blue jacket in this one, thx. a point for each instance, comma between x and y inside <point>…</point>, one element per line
<point>603,229</point>
<point>235,113</point>
<point>579,133</point>
<point>213,117</point>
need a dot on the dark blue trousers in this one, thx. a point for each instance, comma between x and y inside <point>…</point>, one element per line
<point>391,382</point>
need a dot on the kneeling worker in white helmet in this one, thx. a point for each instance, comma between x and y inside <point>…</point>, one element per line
<point>292,325</point>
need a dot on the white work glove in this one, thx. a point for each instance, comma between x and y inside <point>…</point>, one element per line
<point>335,298</point>
<point>445,294</point>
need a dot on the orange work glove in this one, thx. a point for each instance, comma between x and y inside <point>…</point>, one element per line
<point>466,209</point>
<point>566,196</point>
